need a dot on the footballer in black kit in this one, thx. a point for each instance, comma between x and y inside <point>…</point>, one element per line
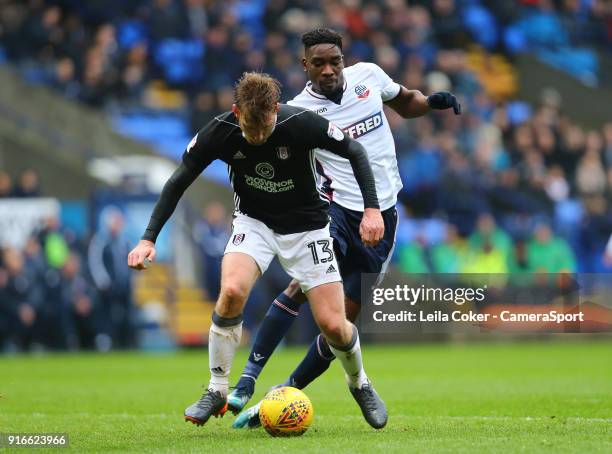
<point>269,149</point>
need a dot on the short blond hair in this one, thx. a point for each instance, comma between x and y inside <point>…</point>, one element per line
<point>256,95</point>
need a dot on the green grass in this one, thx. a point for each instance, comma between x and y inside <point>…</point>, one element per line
<point>524,397</point>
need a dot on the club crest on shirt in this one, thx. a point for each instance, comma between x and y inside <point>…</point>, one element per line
<point>238,238</point>
<point>362,91</point>
<point>282,152</point>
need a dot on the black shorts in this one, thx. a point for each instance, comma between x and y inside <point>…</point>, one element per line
<point>353,257</point>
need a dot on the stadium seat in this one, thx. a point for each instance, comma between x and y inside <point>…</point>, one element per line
<point>130,33</point>
<point>180,60</point>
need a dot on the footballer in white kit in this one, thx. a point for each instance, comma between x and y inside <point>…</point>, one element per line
<point>352,99</point>
<point>360,115</point>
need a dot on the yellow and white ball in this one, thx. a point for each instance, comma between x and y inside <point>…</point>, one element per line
<point>286,412</point>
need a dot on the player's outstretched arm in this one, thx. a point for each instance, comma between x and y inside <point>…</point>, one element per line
<point>413,103</point>
<point>174,188</point>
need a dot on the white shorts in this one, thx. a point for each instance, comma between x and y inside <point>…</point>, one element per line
<point>307,257</point>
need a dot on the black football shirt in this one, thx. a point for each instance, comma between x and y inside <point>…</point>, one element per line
<point>275,182</point>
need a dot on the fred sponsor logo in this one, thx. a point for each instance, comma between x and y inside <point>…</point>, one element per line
<point>364,126</point>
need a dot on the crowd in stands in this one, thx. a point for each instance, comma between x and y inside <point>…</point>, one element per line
<point>26,184</point>
<point>62,292</point>
<point>504,187</point>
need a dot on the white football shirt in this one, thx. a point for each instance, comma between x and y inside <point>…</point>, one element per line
<point>360,115</point>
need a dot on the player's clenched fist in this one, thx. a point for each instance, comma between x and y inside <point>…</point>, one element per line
<point>372,227</point>
<point>144,250</point>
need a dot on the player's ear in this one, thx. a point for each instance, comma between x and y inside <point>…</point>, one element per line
<point>304,64</point>
<point>277,108</point>
<point>235,110</point>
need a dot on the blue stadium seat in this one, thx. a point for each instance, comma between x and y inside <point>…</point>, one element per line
<point>130,33</point>
<point>580,63</point>
<point>482,25</point>
<point>181,60</point>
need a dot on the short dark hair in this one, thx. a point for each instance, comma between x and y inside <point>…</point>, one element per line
<point>256,94</point>
<point>321,36</point>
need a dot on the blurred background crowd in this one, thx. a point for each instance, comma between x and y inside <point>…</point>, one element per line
<point>507,187</point>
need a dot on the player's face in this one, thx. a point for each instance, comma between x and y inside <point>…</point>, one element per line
<point>256,130</point>
<point>324,64</point>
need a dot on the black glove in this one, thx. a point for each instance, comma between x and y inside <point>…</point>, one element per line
<point>444,100</point>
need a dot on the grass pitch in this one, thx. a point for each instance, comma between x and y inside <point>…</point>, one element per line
<point>521,397</point>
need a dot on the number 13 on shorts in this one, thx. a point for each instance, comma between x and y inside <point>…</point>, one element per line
<point>325,254</point>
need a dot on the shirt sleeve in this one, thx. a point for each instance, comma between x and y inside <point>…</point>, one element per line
<point>203,148</point>
<point>200,152</point>
<point>388,88</point>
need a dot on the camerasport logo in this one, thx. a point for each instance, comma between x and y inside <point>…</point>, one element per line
<point>362,91</point>
<point>238,238</point>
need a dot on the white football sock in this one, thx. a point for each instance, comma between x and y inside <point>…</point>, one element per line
<point>350,357</point>
<point>222,344</point>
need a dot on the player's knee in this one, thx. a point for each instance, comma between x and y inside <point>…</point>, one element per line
<point>234,293</point>
<point>294,291</point>
<point>335,330</point>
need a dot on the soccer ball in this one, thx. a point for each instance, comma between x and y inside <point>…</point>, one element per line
<point>286,412</point>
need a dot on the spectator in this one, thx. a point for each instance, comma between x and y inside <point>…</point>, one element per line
<point>28,185</point>
<point>590,175</point>
<point>486,257</point>
<point>78,301</point>
<point>53,243</point>
<point>556,186</point>
<point>64,78</point>
<point>212,233</point>
<point>108,267</point>
<point>6,185</point>
<point>547,253</point>
<point>449,256</point>
<point>23,298</point>
<point>488,232</point>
